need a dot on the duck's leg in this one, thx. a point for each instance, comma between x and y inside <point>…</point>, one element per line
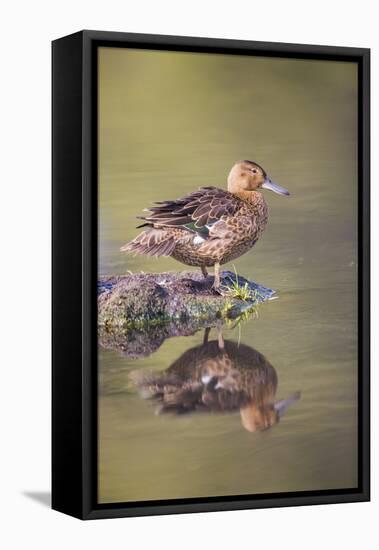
<point>217,282</point>
<point>206,335</point>
<point>220,338</point>
<point>204,271</point>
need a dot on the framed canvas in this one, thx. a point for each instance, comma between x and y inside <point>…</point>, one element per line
<point>216,357</point>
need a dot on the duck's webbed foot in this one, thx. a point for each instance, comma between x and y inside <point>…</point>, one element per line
<point>217,289</point>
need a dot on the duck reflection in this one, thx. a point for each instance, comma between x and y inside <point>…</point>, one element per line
<point>218,376</point>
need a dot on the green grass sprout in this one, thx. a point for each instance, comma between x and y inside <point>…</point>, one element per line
<point>238,291</point>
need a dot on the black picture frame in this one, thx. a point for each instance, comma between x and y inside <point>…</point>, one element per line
<point>74,271</point>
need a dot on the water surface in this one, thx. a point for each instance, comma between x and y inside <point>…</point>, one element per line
<point>169,123</point>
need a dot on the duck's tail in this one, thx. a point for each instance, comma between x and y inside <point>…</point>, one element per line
<point>152,242</point>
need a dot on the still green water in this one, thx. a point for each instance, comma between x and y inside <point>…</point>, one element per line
<point>169,123</point>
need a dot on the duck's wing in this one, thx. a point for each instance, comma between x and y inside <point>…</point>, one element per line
<point>196,212</point>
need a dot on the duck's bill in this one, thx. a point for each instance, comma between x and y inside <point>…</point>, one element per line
<point>282,406</point>
<point>268,184</point>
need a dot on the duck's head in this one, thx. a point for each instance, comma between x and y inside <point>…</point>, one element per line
<point>258,419</point>
<point>261,416</point>
<point>247,176</point>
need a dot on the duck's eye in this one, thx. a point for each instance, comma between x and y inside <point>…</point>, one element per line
<point>254,170</point>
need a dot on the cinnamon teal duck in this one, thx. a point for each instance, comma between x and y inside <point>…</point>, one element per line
<point>218,376</point>
<point>211,226</point>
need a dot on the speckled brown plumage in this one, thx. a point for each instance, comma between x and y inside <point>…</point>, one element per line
<point>210,226</point>
<point>218,376</point>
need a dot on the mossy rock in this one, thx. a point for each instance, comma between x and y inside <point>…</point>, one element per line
<point>140,300</point>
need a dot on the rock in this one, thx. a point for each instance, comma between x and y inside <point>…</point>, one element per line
<point>136,343</point>
<point>175,303</point>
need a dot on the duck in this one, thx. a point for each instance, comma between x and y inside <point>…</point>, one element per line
<point>218,376</point>
<point>211,226</point>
